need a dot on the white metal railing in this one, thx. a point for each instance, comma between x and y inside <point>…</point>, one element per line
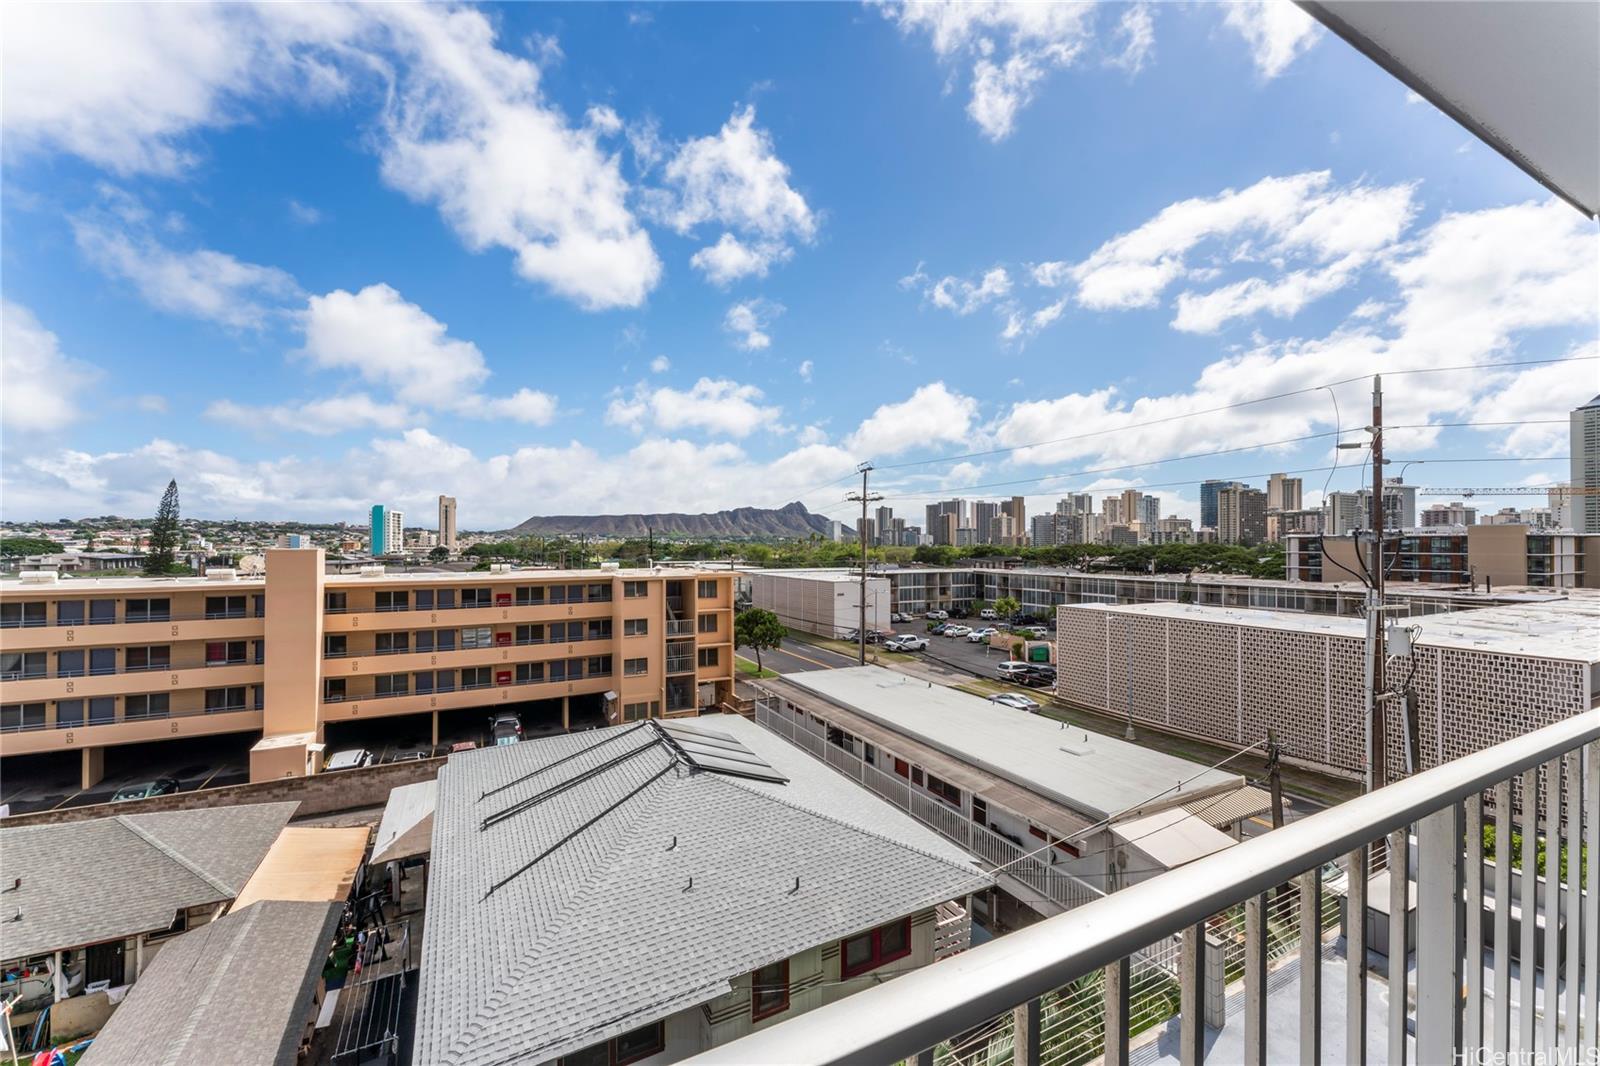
<point>1011,993</point>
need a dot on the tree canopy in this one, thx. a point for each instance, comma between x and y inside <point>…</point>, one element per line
<point>164,534</point>
<point>10,546</point>
<point>758,628</point>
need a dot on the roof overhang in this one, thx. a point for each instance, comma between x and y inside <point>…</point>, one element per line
<point>1523,77</point>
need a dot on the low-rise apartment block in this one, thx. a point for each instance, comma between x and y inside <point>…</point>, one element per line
<point>1495,556</point>
<point>96,663</point>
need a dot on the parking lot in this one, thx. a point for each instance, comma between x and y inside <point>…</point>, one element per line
<point>955,653</point>
<point>43,782</point>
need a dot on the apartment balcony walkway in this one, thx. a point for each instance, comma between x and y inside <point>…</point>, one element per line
<point>1501,958</point>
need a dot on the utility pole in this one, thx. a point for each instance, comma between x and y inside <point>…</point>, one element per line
<point>1378,774</point>
<point>865,497</point>
<point>1275,778</point>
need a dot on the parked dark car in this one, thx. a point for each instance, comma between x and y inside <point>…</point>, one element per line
<point>939,629</point>
<point>1039,674</point>
<point>161,786</point>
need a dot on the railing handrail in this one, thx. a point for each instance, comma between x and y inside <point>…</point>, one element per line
<point>899,1019</point>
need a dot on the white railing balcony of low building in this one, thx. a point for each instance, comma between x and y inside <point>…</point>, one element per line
<point>1504,963</point>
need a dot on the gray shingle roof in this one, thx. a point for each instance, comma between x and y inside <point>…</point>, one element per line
<point>110,878</point>
<point>236,990</point>
<point>661,896</point>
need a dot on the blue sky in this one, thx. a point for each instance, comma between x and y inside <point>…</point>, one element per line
<point>602,258</point>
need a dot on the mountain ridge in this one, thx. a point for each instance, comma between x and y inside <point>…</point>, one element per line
<point>790,520</point>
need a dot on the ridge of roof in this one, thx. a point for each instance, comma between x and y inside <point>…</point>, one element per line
<point>172,853</point>
<point>191,1022</point>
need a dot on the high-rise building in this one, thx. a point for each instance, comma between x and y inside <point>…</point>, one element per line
<point>885,519</point>
<point>944,532</point>
<point>1283,493</point>
<point>1042,530</point>
<point>447,522</point>
<point>1343,512</point>
<point>1241,515</point>
<point>1149,511</point>
<point>835,531</point>
<point>1585,464</point>
<point>1208,500</point>
<point>388,531</point>
<point>868,531</point>
<point>983,515</point>
<point>292,540</point>
<point>1075,503</point>
<point>1454,513</point>
<point>1017,510</point>
<point>1111,510</point>
<point>1399,505</point>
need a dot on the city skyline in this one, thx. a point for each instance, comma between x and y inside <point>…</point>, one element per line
<point>659,314</point>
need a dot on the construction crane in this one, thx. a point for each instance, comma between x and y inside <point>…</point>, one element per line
<point>1514,490</point>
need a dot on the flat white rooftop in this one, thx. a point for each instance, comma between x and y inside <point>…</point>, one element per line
<point>1557,628</point>
<point>1097,775</point>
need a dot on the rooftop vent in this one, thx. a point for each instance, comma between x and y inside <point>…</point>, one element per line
<point>38,577</point>
<point>221,573</point>
<point>1078,745</point>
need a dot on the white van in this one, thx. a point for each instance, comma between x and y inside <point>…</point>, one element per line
<point>988,615</point>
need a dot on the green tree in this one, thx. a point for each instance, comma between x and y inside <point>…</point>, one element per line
<point>439,554</point>
<point>1006,606</point>
<point>28,546</point>
<point>758,628</point>
<point>164,533</point>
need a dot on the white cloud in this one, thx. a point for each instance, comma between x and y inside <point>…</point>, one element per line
<point>322,418</point>
<point>1012,47</point>
<point>39,385</point>
<point>1277,32</point>
<point>304,214</point>
<point>731,259</point>
<point>964,297</point>
<point>733,179</point>
<point>749,320</point>
<point>468,129</point>
<point>660,365</point>
<point>932,414</point>
<point>197,283</point>
<point>715,405</point>
<point>526,405</point>
<point>1136,31</point>
<point>1535,395</point>
<point>151,403</point>
<point>462,124</point>
<point>805,369</point>
<point>812,434</point>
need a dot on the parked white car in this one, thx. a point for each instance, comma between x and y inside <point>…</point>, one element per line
<point>1011,670</point>
<point>938,616</point>
<point>906,643</point>
<point>987,614</point>
<point>1017,700</point>
<point>956,631</point>
<point>978,636</point>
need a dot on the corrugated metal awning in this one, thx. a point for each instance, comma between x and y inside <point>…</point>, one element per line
<point>1247,801</point>
<point>407,826</point>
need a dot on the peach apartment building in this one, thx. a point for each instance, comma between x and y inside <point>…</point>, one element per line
<point>90,664</point>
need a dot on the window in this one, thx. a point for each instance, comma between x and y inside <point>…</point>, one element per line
<point>152,610</point>
<point>530,595</point>
<point>217,699</point>
<point>638,712</point>
<point>224,606</point>
<point>102,612</point>
<point>17,615</point>
<point>425,640</point>
<point>902,768</point>
<point>394,643</point>
<point>393,601</point>
<point>636,627</point>
<point>14,716</point>
<point>635,667</point>
<point>574,593</point>
<point>600,593</point>
<point>707,623</point>
<point>19,664</point>
<point>447,599</point>
<point>634,590</point>
<point>707,590</point>
<point>69,664</point>
<point>68,713</point>
<point>639,1044</point>
<point>154,705</point>
<point>858,954</point>
<point>335,646</point>
<point>598,629</point>
<point>259,605</point>
<point>224,652</point>
<point>102,661</point>
<point>333,689</point>
<point>422,682</point>
<point>769,990</point>
<point>149,657</point>
<point>598,666</point>
<point>392,684</point>
<point>980,811</point>
<point>424,599</point>
<point>445,680</point>
<point>944,790</point>
<point>69,612</point>
<point>445,640</point>
<point>334,602</point>
<point>476,677</point>
<point>558,632</point>
<point>476,598</point>
<point>558,670</point>
<point>708,656</point>
<point>533,634</point>
<point>477,637</point>
<point>529,673</point>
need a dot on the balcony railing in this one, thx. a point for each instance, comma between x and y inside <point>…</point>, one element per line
<point>34,726</point>
<point>680,627</point>
<point>1504,960</point>
<point>683,665</point>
